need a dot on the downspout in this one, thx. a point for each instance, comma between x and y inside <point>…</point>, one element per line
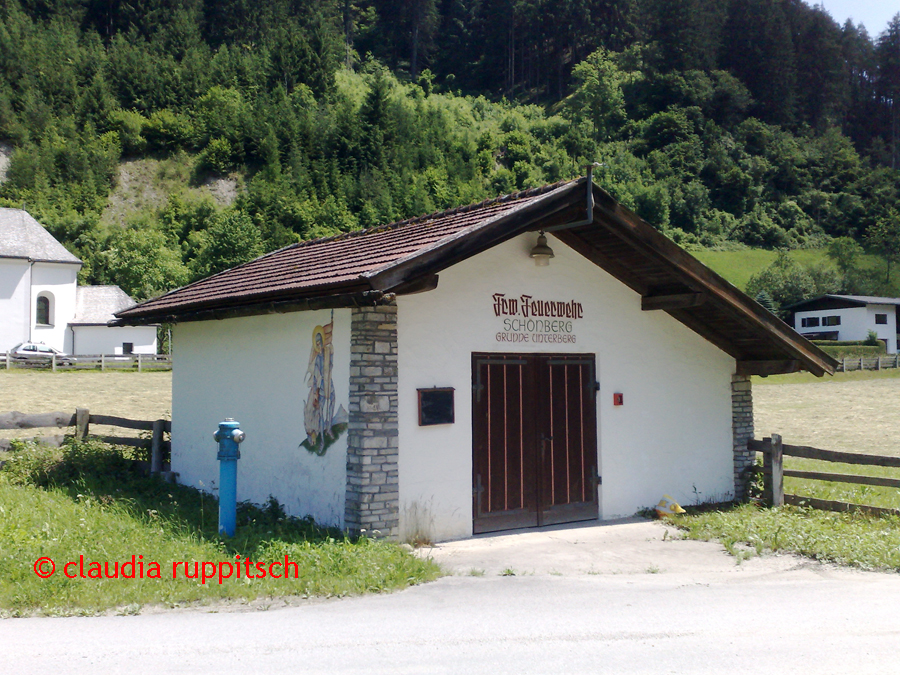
<point>30,336</point>
<point>590,204</point>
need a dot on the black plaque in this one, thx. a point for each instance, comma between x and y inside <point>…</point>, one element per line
<point>435,406</point>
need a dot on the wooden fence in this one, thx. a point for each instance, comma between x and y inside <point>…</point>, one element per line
<point>92,361</point>
<point>81,421</point>
<point>849,363</point>
<point>774,472</point>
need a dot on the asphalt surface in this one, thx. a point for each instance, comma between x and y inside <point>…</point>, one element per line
<point>623,598</point>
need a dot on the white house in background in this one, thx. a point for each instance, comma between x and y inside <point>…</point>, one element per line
<point>519,391</point>
<point>40,300</point>
<point>847,317</point>
<point>95,306</point>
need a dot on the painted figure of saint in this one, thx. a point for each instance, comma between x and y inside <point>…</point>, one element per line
<point>319,410</point>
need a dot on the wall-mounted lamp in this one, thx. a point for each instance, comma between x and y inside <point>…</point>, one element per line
<point>541,252</point>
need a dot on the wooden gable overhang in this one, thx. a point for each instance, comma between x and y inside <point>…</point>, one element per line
<point>666,277</point>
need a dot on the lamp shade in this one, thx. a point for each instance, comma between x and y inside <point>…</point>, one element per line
<point>541,252</point>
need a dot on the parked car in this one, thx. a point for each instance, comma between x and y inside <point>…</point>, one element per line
<point>38,352</point>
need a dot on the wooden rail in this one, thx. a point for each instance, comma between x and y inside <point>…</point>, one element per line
<point>82,420</point>
<point>848,363</point>
<point>91,361</point>
<point>774,472</point>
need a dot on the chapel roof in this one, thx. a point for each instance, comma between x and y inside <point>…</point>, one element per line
<point>21,236</point>
<point>97,305</point>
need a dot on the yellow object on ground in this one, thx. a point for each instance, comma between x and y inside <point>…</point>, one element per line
<point>668,507</point>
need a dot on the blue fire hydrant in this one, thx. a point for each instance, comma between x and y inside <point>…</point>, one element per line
<point>228,436</point>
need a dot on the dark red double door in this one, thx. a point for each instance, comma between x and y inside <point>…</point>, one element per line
<point>535,440</point>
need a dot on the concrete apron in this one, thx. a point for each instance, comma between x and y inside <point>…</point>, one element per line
<point>626,546</point>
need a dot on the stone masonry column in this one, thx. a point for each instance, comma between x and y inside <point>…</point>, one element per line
<point>373,495</point>
<point>742,431</point>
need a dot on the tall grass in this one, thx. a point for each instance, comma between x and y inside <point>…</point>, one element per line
<point>88,500</point>
<point>844,538</point>
<point>861,540</point>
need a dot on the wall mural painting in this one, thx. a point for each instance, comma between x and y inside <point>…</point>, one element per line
<point>324,425</point>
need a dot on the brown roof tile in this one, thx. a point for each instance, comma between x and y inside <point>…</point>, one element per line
<point>334,264</point>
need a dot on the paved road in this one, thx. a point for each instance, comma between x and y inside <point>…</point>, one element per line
<point>773,615</point>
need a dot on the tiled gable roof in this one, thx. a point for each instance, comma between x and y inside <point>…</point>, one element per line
<point>97,305</point>
<point>336,263</point>
<point>21,236</point>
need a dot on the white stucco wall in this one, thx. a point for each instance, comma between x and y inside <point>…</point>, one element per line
<point>57,281</point>
<point>886,332</point>
<point>672,436</point>
<point>15,301</point>
<point>254,369</point>
<point>109,340</point>
<point>856,322</point>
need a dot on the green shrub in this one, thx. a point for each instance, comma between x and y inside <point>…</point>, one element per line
<point>130,127</point>
<point>218,156</point>
<point>167,131</point>
<point>850,349</point>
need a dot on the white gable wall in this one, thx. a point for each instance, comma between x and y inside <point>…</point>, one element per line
<point>109,340</point>
<point>254,369</point>
<point>672,436</point>
<point>57,281</point>
<point>15,301</point>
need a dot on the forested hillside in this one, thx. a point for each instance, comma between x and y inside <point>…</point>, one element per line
<point>730,123</point>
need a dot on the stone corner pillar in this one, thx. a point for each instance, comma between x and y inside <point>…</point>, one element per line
<point>373,496</point>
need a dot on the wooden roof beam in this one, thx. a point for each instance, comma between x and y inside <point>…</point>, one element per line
<point>766,368</point>
<point>672,301</point>
<point>603,261</point>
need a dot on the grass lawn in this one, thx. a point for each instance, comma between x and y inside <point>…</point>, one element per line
<point>738,266</point>
<point>137,396</point>
<point>85,502</point>
<point>851,412</point>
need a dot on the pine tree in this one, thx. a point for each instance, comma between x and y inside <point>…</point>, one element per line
<point>887,52</point>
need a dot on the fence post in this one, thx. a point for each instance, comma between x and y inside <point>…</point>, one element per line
<point>139,362</point>
<point>862,365</point>
<point>53,362</point>
<point>878,364</point>
<point>843,364</point>
<point>7,360</point>
<point>773,471</point>
<point>102,362</point>
<point>156,447</point>
<point>82,423</point>
<point>777,465</point>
